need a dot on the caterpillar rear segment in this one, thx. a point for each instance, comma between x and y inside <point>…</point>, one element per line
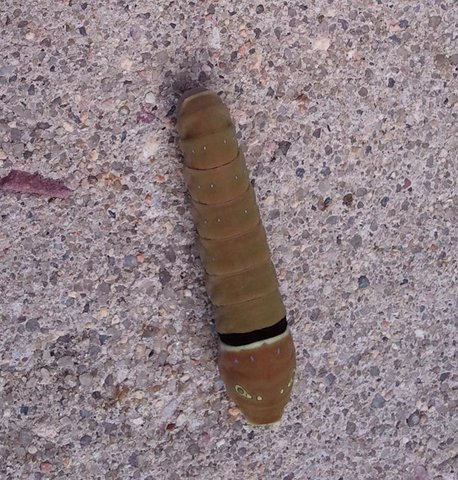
<point>256,351</point>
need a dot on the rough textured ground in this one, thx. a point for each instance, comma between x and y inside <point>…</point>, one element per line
<point>347,111</point>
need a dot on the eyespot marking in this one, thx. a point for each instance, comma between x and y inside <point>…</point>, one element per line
<point>242,392</point>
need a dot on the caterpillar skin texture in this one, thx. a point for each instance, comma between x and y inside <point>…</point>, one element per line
<point>256,351</point>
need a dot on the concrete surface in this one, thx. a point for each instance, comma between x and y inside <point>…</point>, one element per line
<point>347,112</point>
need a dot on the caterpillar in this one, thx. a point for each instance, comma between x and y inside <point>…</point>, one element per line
<point>256,354</point>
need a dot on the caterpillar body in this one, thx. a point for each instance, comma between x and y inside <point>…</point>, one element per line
<point>256,351</point>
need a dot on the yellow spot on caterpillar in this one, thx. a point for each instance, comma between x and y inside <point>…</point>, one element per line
<point>242,392</point>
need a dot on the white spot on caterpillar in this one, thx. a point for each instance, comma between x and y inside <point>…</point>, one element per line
<point>246,211</point>
<point>218,220</point>
<point>259,398</point>
<point>278,351</point>
<point>204,147</point>
<point>198,186</point>
<point>251,358</point>
<point>236,177</point>
<point>224,141</point>
<point>282,391</point>
<point>192,151</point>
<point>236,361</point>
<point>205,221</point>
<point>291,381</point>
<point>211,185</point>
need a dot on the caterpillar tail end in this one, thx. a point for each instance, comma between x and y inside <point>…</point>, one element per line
<point>259,377</point>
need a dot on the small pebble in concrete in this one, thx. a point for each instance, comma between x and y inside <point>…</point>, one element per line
<point>363,282</point>
<point>378,401</point>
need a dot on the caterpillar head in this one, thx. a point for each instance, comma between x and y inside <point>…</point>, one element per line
<point>259,377</point>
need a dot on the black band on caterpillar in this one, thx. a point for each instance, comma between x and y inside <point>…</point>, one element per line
<point>238,339</point>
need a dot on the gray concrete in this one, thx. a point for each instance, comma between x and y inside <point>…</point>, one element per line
<point>347,112</point>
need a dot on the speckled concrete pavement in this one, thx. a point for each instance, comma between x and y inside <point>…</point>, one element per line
<point>347,111</point>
